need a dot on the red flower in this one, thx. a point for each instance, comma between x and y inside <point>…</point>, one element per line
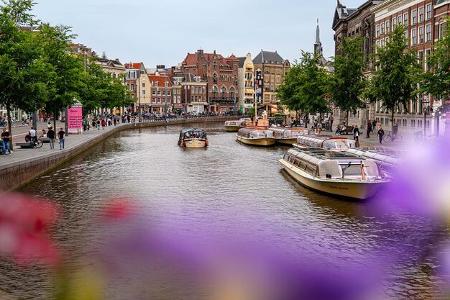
<point>24,225</point>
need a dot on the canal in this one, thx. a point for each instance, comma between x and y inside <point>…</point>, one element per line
<point>148,165</point>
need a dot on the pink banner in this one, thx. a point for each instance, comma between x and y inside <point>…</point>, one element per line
<point>75,119</point>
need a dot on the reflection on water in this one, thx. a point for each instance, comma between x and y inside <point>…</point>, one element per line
<point>182,184</point>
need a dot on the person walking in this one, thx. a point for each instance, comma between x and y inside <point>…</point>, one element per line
<point>5,138</point>
<point>356,134</point>
<point>369,129</point>
<point>33,135</point>
<point>381,134</point>
<point>51,135</point>
<point>61,136</point>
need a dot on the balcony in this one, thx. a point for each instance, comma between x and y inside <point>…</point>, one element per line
<point>223,100</point>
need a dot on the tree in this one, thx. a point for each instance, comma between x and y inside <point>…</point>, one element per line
<point>305,86</point>
<point>68,68</point>
<point>347,82</point>
<point>395,80</point>
<point>25,75</point>
<point>436,80</point>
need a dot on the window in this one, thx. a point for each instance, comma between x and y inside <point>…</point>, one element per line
<point>405,19</point>
<point>394,22</point>
<point>414,17</point>
<point>413,123</point>
<point>421,58</point>
<point>429,11</point>
<point>143,92</point>
<point>378,31</point>
<point>421,14</point>
<point>428,33</point>
<point>414,36</point>
<point>382,28</point>
<point>143,84</point>
<point>388,26</point>
<point>421,35</point>
<point>399,20</point>
<point>427,58</point>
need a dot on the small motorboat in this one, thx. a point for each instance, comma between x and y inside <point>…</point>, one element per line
<point>234,126</point>
<point>193,138</point>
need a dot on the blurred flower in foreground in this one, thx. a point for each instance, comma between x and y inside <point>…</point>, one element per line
<point>24,225</point>
<point>421,184</point>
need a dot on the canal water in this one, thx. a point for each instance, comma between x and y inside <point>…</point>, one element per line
<point>147,164</point>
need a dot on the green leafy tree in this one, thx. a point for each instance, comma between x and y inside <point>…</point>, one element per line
<point>347,82</point>
<point>436,80</point>
<point>25,75</point>
<point>67,67</point>
<point>395,80</point>
<point>306,86</point>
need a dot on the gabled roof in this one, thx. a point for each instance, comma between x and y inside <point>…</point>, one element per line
<point>342,12</point>
<point>268,57</point>
<point>241,61</point>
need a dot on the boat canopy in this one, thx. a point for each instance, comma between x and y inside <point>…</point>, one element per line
<point>325,142</point>
<point>383,158</point>
<point>332,165</point>
<point>193,133</point>
<point>255,133</point>
<point>289,133</point>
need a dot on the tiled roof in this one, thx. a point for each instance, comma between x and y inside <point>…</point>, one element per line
<point>136,66</point>
<point>192,58</point>
<point>268,58</point>
<point>159,80</point>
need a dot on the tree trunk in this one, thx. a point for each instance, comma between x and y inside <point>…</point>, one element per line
<point>348,118</point>
<point>392,119</point>
<point>8,116</point>
<point>55,116</point>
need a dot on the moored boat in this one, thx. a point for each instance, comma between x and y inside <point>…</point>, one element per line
<point>234,126</point>
<point>288,136</point>
<point>334,173</point>
<point>256,137</point>
<point>332,143</point>
<point>193,138</point>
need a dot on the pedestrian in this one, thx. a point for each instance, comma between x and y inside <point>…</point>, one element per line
<point>381,134</point>
<point>61,135</point>
<point>356,134</point>
<point>51,135</point>
<point>103,124</point>
<point>49,124</point>
<point>98,124</point>
<point>369,128</point>
<point>331,123</point>
<point>5,138</point>
<point>394,131</point>
<point>33,135</point>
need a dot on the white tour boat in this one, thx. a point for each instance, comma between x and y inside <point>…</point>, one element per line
<point>288,136</point>
<point>256,137</point>
<point>234,126</point>
<point>332,143</point>
<point>334,173</point>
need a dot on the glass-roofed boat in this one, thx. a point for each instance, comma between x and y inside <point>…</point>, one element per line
<point>335,173</point>
<point>193,138</point>
<point>334,143</point>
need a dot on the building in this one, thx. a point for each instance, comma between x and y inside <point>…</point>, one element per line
<point>356,22</point>
<point>194,94</point>
<point>113,67</point>
<point>422,29</point>
<point>161,94</point>
<point>138,83</point>
<point>273,69</point>
<point>318,52</point>
<point>246,83</point>
<point>221,75</point>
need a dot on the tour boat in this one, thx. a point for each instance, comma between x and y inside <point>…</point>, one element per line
<point>193,138</point>
<point>385,161</point>
<point>335,173</point>
<point>288,136</point>
<point>234,126</point>
<point>256,137</point>
<point>324,142</point>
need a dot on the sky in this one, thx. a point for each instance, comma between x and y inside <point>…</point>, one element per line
<point>164,31</point>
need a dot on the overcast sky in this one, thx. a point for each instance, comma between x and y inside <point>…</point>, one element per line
<point>163,31</point>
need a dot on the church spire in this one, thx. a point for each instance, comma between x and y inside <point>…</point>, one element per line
<point>318,44</point>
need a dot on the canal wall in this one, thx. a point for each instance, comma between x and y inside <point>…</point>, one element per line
<point>17,173</point>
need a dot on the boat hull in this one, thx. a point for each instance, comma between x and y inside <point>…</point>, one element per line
<point>261,142</point>
<point>195,143</point>
<point>232,128</point>
<point>340,188</point>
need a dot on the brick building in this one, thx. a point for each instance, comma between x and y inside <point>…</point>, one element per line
<point>422,30</point>
<point>161,93</point>
<point>221,75</point>
<point>357,22</point>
